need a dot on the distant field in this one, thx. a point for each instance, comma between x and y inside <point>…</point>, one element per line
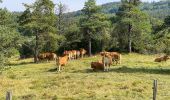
<point>132,80</point>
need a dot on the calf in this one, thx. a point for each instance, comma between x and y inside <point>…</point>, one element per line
<point>163,58</point>
<point>61,61</point>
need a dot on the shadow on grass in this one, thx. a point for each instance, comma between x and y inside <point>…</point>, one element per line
<point>22,63</point>
<point>125,69</point>
<point>53,70</point>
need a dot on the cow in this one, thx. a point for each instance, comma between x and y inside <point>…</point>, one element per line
<point>47,56</point>
<point>116,57</point>
<point>69,54</point>
<point>61,61</point>
<point>82,52</point>
<point>77,54</point>
<point>74,52</point>
<point>163,58</point>
<point>107,61</point>
<point>97,66</point>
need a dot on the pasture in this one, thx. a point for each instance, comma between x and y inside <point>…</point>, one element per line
<point>132,80</point>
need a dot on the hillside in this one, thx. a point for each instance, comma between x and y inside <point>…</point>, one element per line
<point>156,9</point>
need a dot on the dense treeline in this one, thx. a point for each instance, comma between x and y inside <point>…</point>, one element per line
<point>40,29</point>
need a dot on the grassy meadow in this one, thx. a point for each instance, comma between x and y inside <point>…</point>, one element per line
<point>132,80</point>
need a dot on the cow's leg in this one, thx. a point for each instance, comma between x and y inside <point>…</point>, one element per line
<point>59,68</point>
<point>104,66</point>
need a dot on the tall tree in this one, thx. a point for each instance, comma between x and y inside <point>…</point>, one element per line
<point>9,37</point>
<point>41,23</point>
<point>93,23</point>
<point>132,23</point>
<point>61,9</point>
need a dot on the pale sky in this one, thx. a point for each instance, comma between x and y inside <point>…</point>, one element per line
<point>73,5</point>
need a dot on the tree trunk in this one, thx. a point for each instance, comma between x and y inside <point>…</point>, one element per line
<point>89,47</point>
<point>130,46</point>
<point>129,39</point>
<point>129,34</point>
<point>36,49</point>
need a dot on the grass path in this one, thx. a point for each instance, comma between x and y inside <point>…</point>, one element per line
<point>132,80</point>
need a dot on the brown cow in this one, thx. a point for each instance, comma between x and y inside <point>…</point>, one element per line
<point>163,58</point>
<point>116,57</point>
<point>61,61</point>
<point>97,66</point>
<point>47,56</point>
<point>107,61</point>
<point>82,52</point>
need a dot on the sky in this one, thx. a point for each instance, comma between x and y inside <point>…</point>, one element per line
<point>73,5</point>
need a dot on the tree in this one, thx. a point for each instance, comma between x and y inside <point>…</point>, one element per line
<point>41,24</point>
<point>162,37</point>
<point>132,24</point>
<point>93,23</point>
<point>61,9</point>
<point>9,37</point>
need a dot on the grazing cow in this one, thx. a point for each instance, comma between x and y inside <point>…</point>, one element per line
<point>82,52</point>
<point>97,66</point>
<point>116,57</point>
<point>47,56</point>
<point>163,58</point>
<point>107,61</point>
<point>77,54</point>
<point>61,61</point>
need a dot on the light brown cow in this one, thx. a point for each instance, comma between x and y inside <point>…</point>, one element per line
<point>74,52</point>
<point>116,57</point>
<point>82,52</point>
<point>61,61</point>
<point>97,65</point>
<point>47,56</point>
<point>163,58</point>
<point>107,61</point>
<point>69,54</point>
<point>77,54</point>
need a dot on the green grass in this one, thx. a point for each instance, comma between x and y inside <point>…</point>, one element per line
<point>132,80</point>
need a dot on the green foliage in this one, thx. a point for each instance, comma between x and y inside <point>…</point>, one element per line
<point>38,22</point>
<point>162,37</point>
<point>132,26</point>
<point>94,24</point>
<point>9,37</point>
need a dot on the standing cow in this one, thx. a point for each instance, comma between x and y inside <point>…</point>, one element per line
<point>107,61</point>
<point>82,52</point>
<point>61,61</point>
